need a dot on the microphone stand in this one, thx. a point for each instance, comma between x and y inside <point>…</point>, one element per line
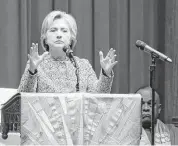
<point>69,53</point>
<point>152,85</point>
<point>154,55</point>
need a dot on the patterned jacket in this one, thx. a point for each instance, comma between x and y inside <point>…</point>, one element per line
<point>54,76</point>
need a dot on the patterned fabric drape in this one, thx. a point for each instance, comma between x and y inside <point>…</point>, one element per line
<point>80,119</point>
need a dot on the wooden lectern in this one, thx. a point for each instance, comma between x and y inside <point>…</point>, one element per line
<point>11,116</point>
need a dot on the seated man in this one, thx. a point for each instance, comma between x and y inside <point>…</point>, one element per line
<point>166,134</point>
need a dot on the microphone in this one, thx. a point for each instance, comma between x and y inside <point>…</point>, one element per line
<point>68,52</point>
<point>144,47</point>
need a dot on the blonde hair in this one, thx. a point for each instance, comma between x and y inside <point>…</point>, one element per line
<point>56,14</point>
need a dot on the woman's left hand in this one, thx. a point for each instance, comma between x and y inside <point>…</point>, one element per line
<point>108,62</point>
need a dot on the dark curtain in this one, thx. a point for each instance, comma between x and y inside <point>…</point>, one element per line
<point>102,24</point>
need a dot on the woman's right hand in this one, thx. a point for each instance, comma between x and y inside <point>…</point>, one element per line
<point>35,58</point>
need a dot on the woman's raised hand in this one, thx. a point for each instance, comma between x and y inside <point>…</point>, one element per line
<point>108,62</point>
<point>34,57</point>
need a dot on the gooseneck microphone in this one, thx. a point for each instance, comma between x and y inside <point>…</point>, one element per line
<point>69,53</point>
<point>144,47</point>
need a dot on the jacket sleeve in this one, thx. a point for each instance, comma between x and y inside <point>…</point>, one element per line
<point>28,82</point>
<point>94,85</point>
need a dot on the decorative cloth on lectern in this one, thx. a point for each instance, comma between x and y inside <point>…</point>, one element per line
<point>80,119</point>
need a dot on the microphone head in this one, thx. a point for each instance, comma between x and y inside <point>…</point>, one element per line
<point>68,51</point>
<point>140,44</point>
<point>65,49</point>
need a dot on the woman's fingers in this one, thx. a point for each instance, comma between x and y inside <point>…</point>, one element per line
<point>113,64</point>
<point>31,51</point>
<point>30,58</point>
<point>101,56</point>
<point>112,53</point>
<point>113,58</point>
<point>109,53</point>
<point>36,48</point>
